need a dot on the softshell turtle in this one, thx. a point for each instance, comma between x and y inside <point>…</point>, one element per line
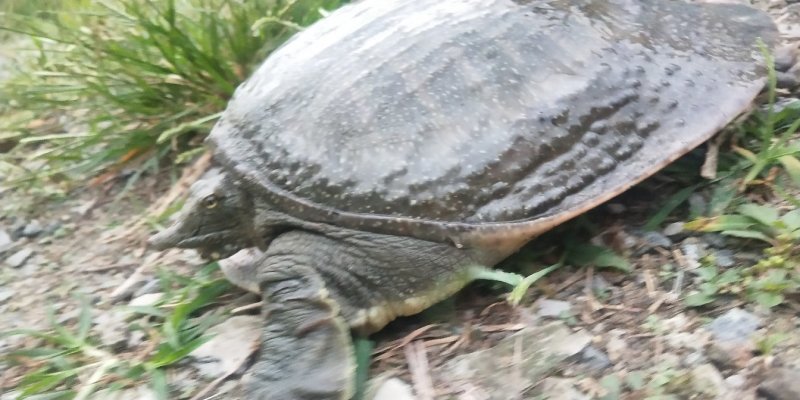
<point>385,154</point>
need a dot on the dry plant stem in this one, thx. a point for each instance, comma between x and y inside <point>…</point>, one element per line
<point>590,299</point>
<point>516,370</point>
<point>709,168</point>
<point>386,352</point>
<point>256,305</point>
<point>510,327</point>
<point>418,366</point>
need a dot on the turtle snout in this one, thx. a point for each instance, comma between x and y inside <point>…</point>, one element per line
<point>164,239</point>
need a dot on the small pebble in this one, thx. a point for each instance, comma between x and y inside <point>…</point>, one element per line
<point>6,293</point>
<point>32,229</point>
<point>654,239</point>
<point>697,204</point>
<point>5,241</point>
<point>693,251</point>
<point>724,258</point>
<point>785,56</point>
<point>233,341</point>
<point>715,240</point>
<point>394,389</point>
<point>781,384</point>
<point>706,379</point>
<point>735,325</point>
<point>153,285</point>
<point>19,258</point>
<point>694,359</point>
<point>146,300</point>
<point>552,308</point>
<point>594,358</point>
<point>616,345</point>
<point>113,329</point>
<point>735,381</point>
<point>674,229</point>
<point>52,227</point>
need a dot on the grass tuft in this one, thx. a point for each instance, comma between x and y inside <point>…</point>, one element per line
<point>69,363</point>
<point>133,78</point>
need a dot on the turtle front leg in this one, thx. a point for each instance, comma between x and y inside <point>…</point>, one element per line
<point>306,349</point>
<point>317,287</point>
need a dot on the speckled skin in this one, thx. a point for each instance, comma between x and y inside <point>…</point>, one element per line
<point>461,120</point>
<point>386,154</point>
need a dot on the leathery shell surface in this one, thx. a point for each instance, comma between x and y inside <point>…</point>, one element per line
<point>485,121</point>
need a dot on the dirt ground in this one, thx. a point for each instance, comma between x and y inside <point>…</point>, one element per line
<point>581,333</point>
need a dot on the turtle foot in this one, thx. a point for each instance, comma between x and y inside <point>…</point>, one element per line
<point>306,348</point>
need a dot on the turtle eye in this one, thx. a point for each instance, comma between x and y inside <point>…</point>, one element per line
<point>210,201</point>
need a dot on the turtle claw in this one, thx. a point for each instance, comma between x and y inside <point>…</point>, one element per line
<point>306,348</point>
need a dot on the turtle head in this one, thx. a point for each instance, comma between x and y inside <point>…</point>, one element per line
<point>217,219</point>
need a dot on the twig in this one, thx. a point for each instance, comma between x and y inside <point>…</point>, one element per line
<point>650,284</point>
<point>444,340</point>
<point>385,352</point>
<point>516,368</point>
<point>106,268</point>
<point>247,307</point>
<point>417,359</point>
<point>567,283</point>
<point>593,303</point>
<point>502,328</point>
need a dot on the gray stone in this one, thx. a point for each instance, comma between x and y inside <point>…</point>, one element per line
<point>233,341</point>
<point>594,358</point>
<point>707,380</point>
<point>391,389</point>
<point>599,283</point>
<point>735,381</point>
<point>731,354</point>
<point>152,285</point>
<point>5,241</point>
<point>693,250</point>
<point>516,363</point>
<point>6,293</point>
<point>112,327</point>
<point>788,80</point>
<point>715,240</point>
<point>616,345</point>
<point>694,359</point>
<point>52,228</point>
<point>785,56</point>
<point>145,300</point>
<point>552,308</point>
<point>650,240</point>
<point>781,384</point>
<point>724,258</point>
<point>736,325</point>
<point>674,229</point>
<point>697,204</point>
<point>19,258</point>
<point>32,229</point>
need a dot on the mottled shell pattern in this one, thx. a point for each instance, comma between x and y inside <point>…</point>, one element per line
<point>475,120</point>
